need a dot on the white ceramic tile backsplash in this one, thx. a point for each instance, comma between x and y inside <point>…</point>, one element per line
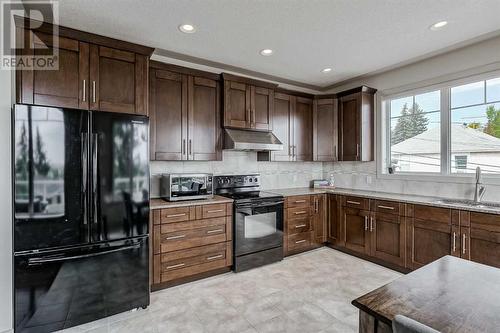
<point>273,174</point>
<point>355,175</point>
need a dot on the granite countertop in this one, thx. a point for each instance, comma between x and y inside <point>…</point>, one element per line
<point>408,198</point>
<point>158,203</point>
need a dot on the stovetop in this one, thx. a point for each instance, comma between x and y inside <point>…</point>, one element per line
<point>242,188</point>
<point>253,195</point>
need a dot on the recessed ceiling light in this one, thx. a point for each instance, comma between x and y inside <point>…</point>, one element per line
<point>266,52</point>
<point>187,28</point>
<point>438,25</point>
<point>326,70</point>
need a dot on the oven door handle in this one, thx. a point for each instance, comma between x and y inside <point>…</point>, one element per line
<point>276,203</point>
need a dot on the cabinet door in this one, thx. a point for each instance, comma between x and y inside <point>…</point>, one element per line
<point>282,126</point>
<point>428,241</point>
<point>388,241</point>
<point>168,115</point>
<point>262,101</point>
<point>357,236</point>
<point>483,243</point>
<point>204,134</point>
<point>65,87</point>
<point>319,218</point>
<point>334,226</point>
<point>236,104</point>
<point>118,80</point>
<point>349,133</point>
<point>325,130</point>
<point>302,130</point>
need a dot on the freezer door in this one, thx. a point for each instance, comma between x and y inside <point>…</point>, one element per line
<point>58,290</point>
<point>120,171</point>
<point>50,150</point>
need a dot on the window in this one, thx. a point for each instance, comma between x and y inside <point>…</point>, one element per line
<point>447,131</point>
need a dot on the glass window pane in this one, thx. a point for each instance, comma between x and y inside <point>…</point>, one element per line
<point>493,90</point>
<point>400,106</point>
<point>475,139</point>
<point>429,101</point>
<point>416,142</point>
<point>467,94</point>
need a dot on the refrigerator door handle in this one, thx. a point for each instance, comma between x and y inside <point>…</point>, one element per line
<point>94,174</point>
<point>85,148</point>
<point>39,261</point>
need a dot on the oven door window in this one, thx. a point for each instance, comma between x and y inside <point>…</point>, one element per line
<point>258,228</point>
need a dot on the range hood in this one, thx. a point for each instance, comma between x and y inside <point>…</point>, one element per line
<point>251,140</point>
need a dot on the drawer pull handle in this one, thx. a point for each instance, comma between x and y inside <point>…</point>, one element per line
<point>299,201</point>
<point>300,226</point>
<point>464,243</point>
<point>176,266</point>
<point>176,215</point>
<point>176,237</point>
<point>215,211</point>
<point>300,241</point>
<point>215,257</point>
<point>301,212</point>
<point>354,202</point>
<point>385,207</point>
<point>454,247</point>
<point>216,230</point>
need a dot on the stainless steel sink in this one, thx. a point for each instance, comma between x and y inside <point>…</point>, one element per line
<point>472,203</point>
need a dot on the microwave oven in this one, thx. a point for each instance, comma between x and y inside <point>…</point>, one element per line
<point>180,186</point>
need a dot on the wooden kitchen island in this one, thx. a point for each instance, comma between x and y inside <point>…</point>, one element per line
<point>449,295</point>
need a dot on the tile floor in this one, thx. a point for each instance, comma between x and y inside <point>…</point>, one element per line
<point>310,292</point>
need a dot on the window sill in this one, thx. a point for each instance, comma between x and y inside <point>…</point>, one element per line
<point>439,178</point>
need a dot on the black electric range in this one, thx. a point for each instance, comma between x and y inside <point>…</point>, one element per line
<point>257,221</point>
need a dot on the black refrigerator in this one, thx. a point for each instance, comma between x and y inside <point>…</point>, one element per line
<point>81,212</point>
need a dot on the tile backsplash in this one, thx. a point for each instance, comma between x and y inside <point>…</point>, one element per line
<point>273,174</point>
<point>363,176</point>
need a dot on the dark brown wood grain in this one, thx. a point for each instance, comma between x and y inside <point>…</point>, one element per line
<point>356,233</point>
<point>334,220</point>
<point>237,112</point>
<point>449,295</point>
<point>388,237</point>
<point>302,130</point>
<point>318,217</point>
<point>325,130</point>
<point>483,241</point>
<point>282,120</point>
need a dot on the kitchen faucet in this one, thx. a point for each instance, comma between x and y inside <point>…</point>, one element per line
<point>480,189</point>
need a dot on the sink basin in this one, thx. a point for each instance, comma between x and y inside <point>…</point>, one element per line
<point>472,203</point>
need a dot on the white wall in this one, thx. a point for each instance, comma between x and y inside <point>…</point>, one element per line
<point>5,203</point>
<point>473,59</point>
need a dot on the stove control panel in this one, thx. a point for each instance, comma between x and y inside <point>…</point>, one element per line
<point>237,181</point>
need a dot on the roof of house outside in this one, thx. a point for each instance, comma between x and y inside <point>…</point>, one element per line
<point>464,140</point>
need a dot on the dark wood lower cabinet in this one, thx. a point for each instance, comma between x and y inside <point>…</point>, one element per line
<point>483,237</point>
<point>388,237</point>
<point>333,221</point>
<point>357,235</point>
<point>319,218</point>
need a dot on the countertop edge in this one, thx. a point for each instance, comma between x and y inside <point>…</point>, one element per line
<point>158,203</point>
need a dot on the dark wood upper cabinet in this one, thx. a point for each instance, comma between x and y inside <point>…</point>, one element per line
<point>282,118</point>
<point>248,103</point>
<point>356,124</point>
<point>325,129</point>
<point>94,72</point>
<point>118,80</point>
<point>168,109</point>
<point>184,114</point>
<point>204,130</point>
<point>302,129</point>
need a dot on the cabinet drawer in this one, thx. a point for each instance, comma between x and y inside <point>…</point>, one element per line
<point>183,239</point>
<point>296,226</point>
<point>303,201</point>
<point>298,212</point>
<point>384,206</point>
<point>177,214</point>
<point>429,213</point>
<point>299,241</point>
<point>209,211</point>
<point>357,202</point>
<point>188,262</point>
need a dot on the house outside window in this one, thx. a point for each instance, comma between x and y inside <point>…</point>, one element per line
<point>445,130</point>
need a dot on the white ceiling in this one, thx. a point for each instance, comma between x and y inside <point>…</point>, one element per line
<point>354,37</point>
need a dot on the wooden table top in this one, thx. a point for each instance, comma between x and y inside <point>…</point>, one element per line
<point>449,295</point>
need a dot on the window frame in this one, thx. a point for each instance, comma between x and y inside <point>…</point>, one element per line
<point>383,122</point>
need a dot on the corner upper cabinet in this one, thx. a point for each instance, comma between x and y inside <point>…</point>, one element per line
<point>248,104</point>
<point>356,124</point>
<point>184,114</point>
<point>94,72</point>
<point>118,80</point>
<point>302,129</point>
<point>325,129</point>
